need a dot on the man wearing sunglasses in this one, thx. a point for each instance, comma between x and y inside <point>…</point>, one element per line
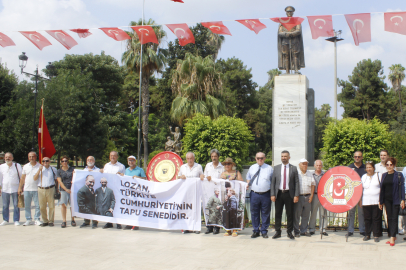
<point>359,168</point>
<point>46,177</point>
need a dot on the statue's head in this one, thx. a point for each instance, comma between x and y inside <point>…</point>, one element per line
<point>168,138</point>
<point>289,11</point>
<point>177,129</point>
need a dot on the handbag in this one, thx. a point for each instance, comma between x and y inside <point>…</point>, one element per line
<point>20,203</point>
<point>402,212</point>
<point>57,194</point>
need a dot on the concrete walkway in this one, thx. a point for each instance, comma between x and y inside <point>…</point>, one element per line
<point>34,247</point>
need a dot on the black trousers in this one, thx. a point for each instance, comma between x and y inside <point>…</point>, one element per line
<point>283,199</point>
<point>373,219</point>
<point>392,212</point>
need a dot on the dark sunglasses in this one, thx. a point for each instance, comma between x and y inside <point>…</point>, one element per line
<point>357,156</point>
<point>387,165</point>
<point>225,164</point>
<point>46,161</point>
<point>259,158</point>
<point>64,161</point>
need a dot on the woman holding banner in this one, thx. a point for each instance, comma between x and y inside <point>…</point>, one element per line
<point>392,195</point>
<point>64,176</point>
<point>370,201</point>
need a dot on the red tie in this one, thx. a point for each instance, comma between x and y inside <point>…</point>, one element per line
<point>284,177</point>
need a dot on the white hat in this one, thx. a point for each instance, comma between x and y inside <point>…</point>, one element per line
<point>132,157</point>
<point>303,160</point>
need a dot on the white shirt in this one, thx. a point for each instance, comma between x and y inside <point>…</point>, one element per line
<point>371,189</point>
<point>29,171</point>
<point>306,181</point>
<point>114,168</point>
<point>195,171</point>
<point>261,183</point>
<point>94,169</point>
<point>48,177</point>
<point>287,177</point>
<point>209,170</point>
<point>9,179</point>
<point>381,169</point>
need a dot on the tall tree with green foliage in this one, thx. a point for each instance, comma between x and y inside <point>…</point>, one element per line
<point>153,60</point>
<point>321,120</point>
<point>230,135</point>
<point>8,82</point>
<point>239,92</point>
<point>343,137</point>
<point>198,85</point>
<point>396,77</point>
<point>364,95</point>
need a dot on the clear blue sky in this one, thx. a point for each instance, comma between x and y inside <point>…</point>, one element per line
<point>256,51</point>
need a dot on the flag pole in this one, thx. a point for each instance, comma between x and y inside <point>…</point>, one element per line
<point>41,155</point>
<point>139,96</point>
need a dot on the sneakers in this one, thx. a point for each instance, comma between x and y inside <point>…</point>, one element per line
<point>38,222</point>
<point>28,223</point>
<point>3,223</point>
<point>16,223</point>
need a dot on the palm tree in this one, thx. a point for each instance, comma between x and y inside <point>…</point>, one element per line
<point>271,77</point>
<point>216,41</point>
<point>199,89</point>
<point>396,76</point>
<point>154,59</point>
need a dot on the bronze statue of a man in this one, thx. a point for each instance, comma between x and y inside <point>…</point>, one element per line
<point>290,46</point>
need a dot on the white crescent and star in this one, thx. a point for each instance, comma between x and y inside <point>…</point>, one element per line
<point>115,32</point>
<point>354,24</point>
<point>139,30</point>
<point>215,26</point>
<point>320,27</point>
<point>338,194</point>
<point>283,21</point>
<point>180,29</point>
<point>33,35</point>
<point>397,16</point>
<point>252,23</point>
<point>63,35</point>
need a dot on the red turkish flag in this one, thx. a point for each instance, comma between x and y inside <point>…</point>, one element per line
<point>82,33</point>
<point>217,28</point>
<point>321,26</point>
<point>182,32</point>
<point>45,145</point>
<point>5,41</point>
<point>115,33</point>
<point>288,22</point>
<point>64,38</point>
<point>253,25</point>
<point>395,22</point>
<point>36,38</point>
<point>179,1</point>
<point>338,193</point>
<point>145,34</point>
<point>360,26</point>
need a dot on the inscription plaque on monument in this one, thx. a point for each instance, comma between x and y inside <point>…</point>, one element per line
<point>290,118</point>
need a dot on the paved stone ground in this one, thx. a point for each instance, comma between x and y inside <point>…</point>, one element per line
<point>35,247</point>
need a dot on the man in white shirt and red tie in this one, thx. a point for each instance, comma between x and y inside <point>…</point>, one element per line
<point>284,192</point>
<point>190,170</point>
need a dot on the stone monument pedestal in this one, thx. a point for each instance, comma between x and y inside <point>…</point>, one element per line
<point>293,119</point>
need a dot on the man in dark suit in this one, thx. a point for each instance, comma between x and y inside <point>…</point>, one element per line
<point>284,192</point>
<point>86,197</point>
<point>105,200</point>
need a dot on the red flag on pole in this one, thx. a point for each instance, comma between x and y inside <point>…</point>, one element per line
<point>217,28</point>
<point>182,32</point>
<point>6,41</point>
<point>45,145</point>
<point>82,33</point>
<point>145,34</point>
<point>115,33</point>
<point>288,22</point>
<point>360,26</point>
<point>253,25</point>
<point>36,38</point>
<point>395,22</point>
<point>321,26</point>
<point>64,38</point>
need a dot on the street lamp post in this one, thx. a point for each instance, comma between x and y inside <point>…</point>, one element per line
<point>335,39</point>
<point>23,63</point>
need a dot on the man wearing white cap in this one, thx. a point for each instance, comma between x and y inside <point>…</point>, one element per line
<point>303,207</point>
<point>134,170</point>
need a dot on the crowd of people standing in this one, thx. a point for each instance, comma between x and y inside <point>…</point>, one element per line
<point>287,186</point>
